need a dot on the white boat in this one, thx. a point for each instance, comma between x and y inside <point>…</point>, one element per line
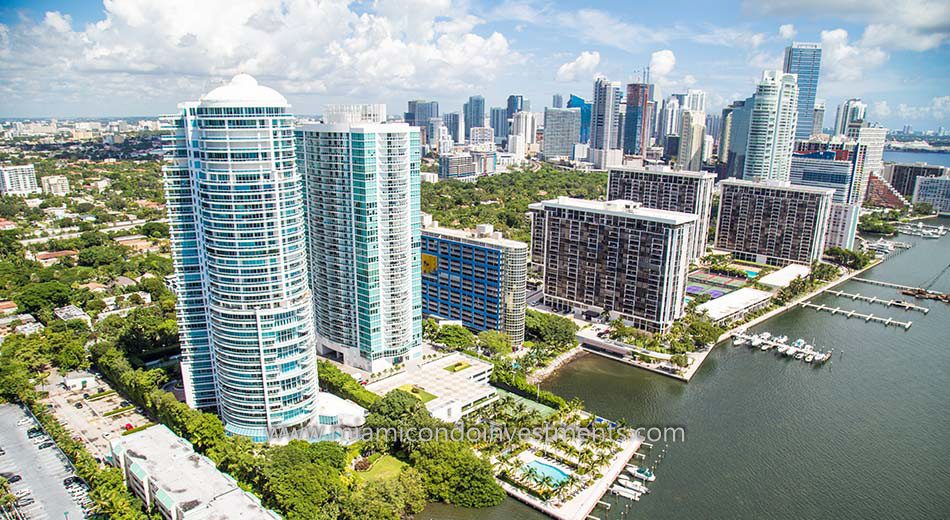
<point>800,355</point>
<point>765,335</point>
<point>630,495</point>
<point>809,358</point>
<point>756,341</point>
<point>782,349</point>
<point>633,485</point>
<point>738,340</point>
<point>766,346</point>
<point>799,343</point>
<point>641,473</point>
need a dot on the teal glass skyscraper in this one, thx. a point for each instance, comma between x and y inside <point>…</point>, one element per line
<point>236,214</point>
<point>362,184</point>
<point>804,60</point>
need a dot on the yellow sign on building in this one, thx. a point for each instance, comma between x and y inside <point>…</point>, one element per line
<point>429,263</point>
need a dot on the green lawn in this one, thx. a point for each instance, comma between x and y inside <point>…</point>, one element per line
<point>387,467</point>
<point>458,367</point>
<point>423,396</point>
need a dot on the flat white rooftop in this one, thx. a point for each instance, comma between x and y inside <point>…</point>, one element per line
<point>189,479</point>
<point>662,169</point>
<point>619,208</point>
<point>785,275</point>
<point>471,236</point>
<point>733,302</point>
<point>776,185</point>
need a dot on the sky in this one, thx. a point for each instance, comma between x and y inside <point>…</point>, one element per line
<point>142,57</point>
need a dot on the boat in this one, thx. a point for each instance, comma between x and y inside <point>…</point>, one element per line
<point>756,341</point>
<point>781,339</point>
<point>636,485</point>
<point>800,355</point>
<point>809,358</point>
<point>766,346</point>
<point>641,473</point>
<point>739,340</point>
<point>765,335</point>
<point>624,492</point>
<point>782,349</point>
<point>799,343</point>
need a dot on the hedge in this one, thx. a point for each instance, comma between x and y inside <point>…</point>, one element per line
<point>341,384</point>
<point>516,382</point>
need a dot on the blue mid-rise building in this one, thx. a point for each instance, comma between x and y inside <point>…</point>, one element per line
<point>475,277</point>
<point>586,108</point>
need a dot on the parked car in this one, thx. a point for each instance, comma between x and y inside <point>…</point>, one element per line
<point>14,479</point>
<point>25,501</point>
<point>78,405</point>
<point>47,444</point>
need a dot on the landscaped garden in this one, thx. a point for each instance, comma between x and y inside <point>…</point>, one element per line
<point>458,367</point>
<point>418,392</point>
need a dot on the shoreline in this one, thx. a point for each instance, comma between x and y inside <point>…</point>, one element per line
<point>564,359</point>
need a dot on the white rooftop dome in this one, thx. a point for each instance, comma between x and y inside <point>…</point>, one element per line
<point>243,90</point>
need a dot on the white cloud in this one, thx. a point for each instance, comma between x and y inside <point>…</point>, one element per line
<point>581,68</point>
<point>787,31</point>
<point>846,61</point>
<point>939,108</point>
<point>146,50</point>
<point>901,24</point>
<point>881,109</point>
<point>729,37</point>
<point>662,63</point>
<point>602,27</point>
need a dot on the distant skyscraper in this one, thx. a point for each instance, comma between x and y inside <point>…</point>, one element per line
<point>734,150</point>
<point>604,123</point>
<point>433,132</point>
<point>523,124</point>
<point>239,249</point>
<point>557,101</point>
<point>638,118</point>
<point>474,114</point>
<point>364,230</point>
<point>18,180</point>
<point>669,122</point>
<point>772,127</point>
<point>695,99</point>
<point>562,128</point>
<point>482,136</point>
<point>804,60</point>
<point>934,191</point>
<point>420,111</point>
<point>692,130</point>
<point>453,122</point>
<point>819,118</point>
<point>515,104</point>
<point>849,111</point>
<point>585,108</point>
<point>498,119</point>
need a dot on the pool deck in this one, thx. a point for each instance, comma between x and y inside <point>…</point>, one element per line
<point>584,502</point>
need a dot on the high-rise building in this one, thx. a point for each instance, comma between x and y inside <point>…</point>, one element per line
<point>482,137</point>
<point>605,123</point>
<point>477,277</point>
<point>849,111</point>
<point>237,217</point>
<point>433,132</point>
<point>562,128</point>
<point>460,166</point>
<point>840,168</point>
<point>585,108</point>
<point>613,257</point>
<point>498,119</point>
<point>804,60</point>
<point>515,104</point>
<point>934,191</point>
<point>420,111</point>
<point>842,225</point>
<point>453,123</point>
<point>695,99</point>
<point>362,184</point>
<point>692,131</point>
<point>772,128</point>
<point>474,111</point>
<point>55,185</point>
<point>18,180</point>
<point>682,191</point>
<point>638,119</point>
<point>557,101</point>
<point>903,177</point>
<point>523,124</point>
<point>819,118</point>
<point>772,222</point>
<point>669,120</point>
<point>873,137</point>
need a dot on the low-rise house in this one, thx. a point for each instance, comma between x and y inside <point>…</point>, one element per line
<point>29,328</point>
<point>6,225</point>
<point>80,380</point>
<point>123,281</point>
<point>95,287</point>
<point>48,258</point>
<point>123,304</point>
<point>71,312</point>
<point>7,307</point>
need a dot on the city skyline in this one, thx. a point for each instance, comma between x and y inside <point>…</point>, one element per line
<point>87,59</point>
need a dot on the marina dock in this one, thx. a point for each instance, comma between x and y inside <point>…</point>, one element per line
<point>900,304</point>
<point>766,341</point>
<point>885,284</point>
<point>855,314</point>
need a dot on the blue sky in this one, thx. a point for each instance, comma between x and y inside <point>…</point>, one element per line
<point>139,57</point>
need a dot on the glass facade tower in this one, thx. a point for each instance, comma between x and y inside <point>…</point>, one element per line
<point>804,60</point>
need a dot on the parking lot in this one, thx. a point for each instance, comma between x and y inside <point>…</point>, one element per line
<point>40,488</point>
<point>94,419</point>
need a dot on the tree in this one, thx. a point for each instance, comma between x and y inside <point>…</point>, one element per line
<point>43,296</point>
<point>549,328</point>
<point>456,337</point>
<point>392,498</point>
<point>496,343</point>
<point>680,360</point>
<point>452,473</point>
<point>430,329</point>
<point>403,412</point>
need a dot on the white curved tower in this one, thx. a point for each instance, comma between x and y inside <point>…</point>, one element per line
<point>236,212</point>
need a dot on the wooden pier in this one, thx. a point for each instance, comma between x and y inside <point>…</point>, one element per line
<point>885,284</point>
<point>900,304</point>
<point>855,314</point>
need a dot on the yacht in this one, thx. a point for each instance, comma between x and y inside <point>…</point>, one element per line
<point>800,355</point>
<point>809,358</point>
<point>765,335</point>
<point>626,493</point>
<point>738,340</point>
<point>766,346</point>
<point>641,473</point>
<point>756,341</point>
<point>636,485</point>
<point>799,343</point>
<point>782,349</point>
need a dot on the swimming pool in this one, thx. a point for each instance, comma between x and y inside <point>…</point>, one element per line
<point>751,274</point>
<point>557,476</point>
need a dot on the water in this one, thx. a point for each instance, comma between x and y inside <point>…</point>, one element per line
<point>767,437</point>
<point>942,159</point>
<point>547,470</point>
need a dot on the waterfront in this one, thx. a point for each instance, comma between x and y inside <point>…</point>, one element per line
<point>864,436</point>
<point>942,159</point>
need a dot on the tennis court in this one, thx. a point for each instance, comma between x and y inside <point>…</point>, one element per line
<point>717,279</point>
<point>696,288</point>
